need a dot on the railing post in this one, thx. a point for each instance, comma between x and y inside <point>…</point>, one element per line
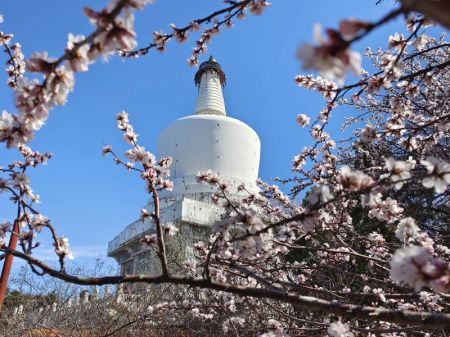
<point>8,262</point>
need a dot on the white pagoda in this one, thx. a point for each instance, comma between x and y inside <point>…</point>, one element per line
<point>208,139</point>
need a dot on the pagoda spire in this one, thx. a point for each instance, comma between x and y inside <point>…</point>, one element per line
<point>210,79</point>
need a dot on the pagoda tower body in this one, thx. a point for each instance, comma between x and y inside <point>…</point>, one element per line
<point>206,140</point>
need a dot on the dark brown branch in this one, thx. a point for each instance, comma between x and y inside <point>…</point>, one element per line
<point>432,320</point>
<point>388,17</point>
<point>159,232</point>
<point>438,10</point>
<point>424,71</point>
<point>334,251</point>
<point>143,51</point>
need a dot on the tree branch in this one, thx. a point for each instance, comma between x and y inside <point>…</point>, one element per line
<point>432,320</point>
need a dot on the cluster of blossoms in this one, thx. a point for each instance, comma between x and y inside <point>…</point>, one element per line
<point>35,99</point>
<point>62,248</point>
<point>359,199</point>
<point>217,20</point>
<point>439,172</point>
<point>30,221</point>
<point>419,133</point>
<point>332,57</point>
<point>417,267</point>
<point>342,234</point>
<point>232,322</point>
<point>339,329</point>
<point>256,7</point>
<point>324,86</point>
<point>16,64</point>
<point>154,172</point>
<point>4,228</point>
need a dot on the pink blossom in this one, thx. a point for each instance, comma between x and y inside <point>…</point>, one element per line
<point>331,58</point>
<point>4,228</point>
<point>63,248</point>
<point>138,4</point>
<point>5,38</point>
<point>415,266</point>
<point>78,59</point>
<point>14,130</point>
<point>399,171</point>
<point>320,194</point>
<point>353,180</point>
<point>397,41</point>
<point>257,6</point>
<point>40,63</point>
<point>99,19</point>
<point>106,149</point>
<point>351,26</point>
<point>303,120</point>
<point>232,322</point>
<point>192,61</point>
<point>144,214</point>
<point>420,42</point>
<point>59,84</point>
<point>140,155</point>
<point>170,229</point>
<point>369,133</point>
<point>122,34</point>
<point>386,210</point>
<point>195,26</point>
<point>440,174</point>
<point>39,221</point>
<point>149,239</point>
<point>406,228</point>
<point>339,329</point>
<point>179,34</point>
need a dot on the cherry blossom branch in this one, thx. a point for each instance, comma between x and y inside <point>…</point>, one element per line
<point>371,26</point>
<point>408,77</point>
<point>17,64</point>
<point>32,159</point>
<point>69,54</point>
<point>334,251</point>
<point>181,32</point>
<point>424,51</point>
<point>433,320</point>
<point>34,100</point>
<point>425,70</point>
<point>153,173</point>
<point>438,10</point>
<point>159,233</point>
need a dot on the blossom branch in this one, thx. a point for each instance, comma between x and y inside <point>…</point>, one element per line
<point>434,320</point>
<point>163,38</point>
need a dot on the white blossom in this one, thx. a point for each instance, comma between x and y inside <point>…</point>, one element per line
<point>303,120</point>
<point>78,58</point>
<point>63,248</point>
<point>440,174</point>
<point>331,66</point>
<point>339,329</point>
<point>399,171</point>
<point>170,229</point>
<point>406,228</point>
<point>415,266</point>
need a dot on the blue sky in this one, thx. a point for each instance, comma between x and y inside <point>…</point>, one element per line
<point>87,197</point>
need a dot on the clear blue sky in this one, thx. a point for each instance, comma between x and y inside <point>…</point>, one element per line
<point>88,198</point>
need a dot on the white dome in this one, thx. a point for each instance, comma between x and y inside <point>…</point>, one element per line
<point>220,143</point>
